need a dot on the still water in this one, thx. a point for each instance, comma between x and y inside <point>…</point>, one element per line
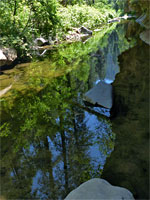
<point>51,141</point>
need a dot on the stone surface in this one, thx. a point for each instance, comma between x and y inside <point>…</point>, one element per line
<point>40,41</point>
<point>7,56</point>
<point>145,36</point>
<point>140,19</point>
<point>74,37</point>
<point>3,58</point>
<point>114,20</point>
<point>84,30</point>
<point>118,19</point>
<point>99,189</point>
<point>128,164</point>
<point>101,94</point>
<point>112,68</point>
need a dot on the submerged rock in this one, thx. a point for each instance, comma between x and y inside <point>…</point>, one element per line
<point>101,94</point>
<point>7,56</point>
<point>141,19</point>
<point>99,189</point>
<point>145,36</point>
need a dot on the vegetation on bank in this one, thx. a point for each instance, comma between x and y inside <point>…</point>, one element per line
<point>22,21</point>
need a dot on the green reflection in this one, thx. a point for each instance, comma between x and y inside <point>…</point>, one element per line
<point>60,61</point>
<point>44,134</point>
<point>29,123</point>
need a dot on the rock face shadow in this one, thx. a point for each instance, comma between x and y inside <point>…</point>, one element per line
<point>128,165</point>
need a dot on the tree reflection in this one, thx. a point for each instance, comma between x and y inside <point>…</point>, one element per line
<point>45,141</point>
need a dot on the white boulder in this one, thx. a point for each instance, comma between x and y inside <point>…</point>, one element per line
<point>7,56</point>
<point>99,189</point>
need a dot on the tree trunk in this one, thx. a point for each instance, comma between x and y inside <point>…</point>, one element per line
<point>49,161</point>
<point>64,151</point>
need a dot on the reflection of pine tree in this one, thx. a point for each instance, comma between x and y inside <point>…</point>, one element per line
<point>16,172</point>
<point>64,152</point>
<point>51,128</point>
<point>44,162</point>
<point>78,144</point>
<point>72,141</point>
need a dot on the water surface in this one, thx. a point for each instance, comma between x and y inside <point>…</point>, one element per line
<point>51,142</point>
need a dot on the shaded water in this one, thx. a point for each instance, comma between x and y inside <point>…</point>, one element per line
<point>128,165</point>
<point>50,141</point>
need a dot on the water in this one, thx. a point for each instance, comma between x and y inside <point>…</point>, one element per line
<point>51,142</point>
<point>128,165</point>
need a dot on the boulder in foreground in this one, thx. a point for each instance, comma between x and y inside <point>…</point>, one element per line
<point>99,189</point>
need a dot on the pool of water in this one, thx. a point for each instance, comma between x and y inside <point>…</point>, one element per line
<point>51,142</point>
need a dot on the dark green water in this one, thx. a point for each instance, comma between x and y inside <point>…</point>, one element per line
<point>51,142</point>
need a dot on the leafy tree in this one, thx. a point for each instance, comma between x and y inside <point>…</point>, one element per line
<point>22,21</point>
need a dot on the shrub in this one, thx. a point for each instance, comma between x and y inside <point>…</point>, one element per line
<point>83,15</point>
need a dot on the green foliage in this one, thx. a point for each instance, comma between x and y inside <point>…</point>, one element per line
<point>37,114</point>
<point>44,16</point>
<point>22,21</point>
<point>4,130</point>
<point>83,15</point>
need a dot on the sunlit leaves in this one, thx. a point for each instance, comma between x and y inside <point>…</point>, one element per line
<point>22,21</point>
<point>5,130</point>
<point>77,16</point>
